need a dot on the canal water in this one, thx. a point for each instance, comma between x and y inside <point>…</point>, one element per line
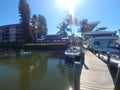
<point>37,70</point>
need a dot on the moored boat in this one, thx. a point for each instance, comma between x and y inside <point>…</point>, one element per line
<point>73,53</point>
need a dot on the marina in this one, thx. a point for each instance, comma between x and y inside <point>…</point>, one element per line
<point>60,45</point>
<point>41,69</point>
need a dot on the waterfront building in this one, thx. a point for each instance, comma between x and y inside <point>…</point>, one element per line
<point>94,34</point>
<point>11,33</point>
<point>100,38</point>
<point>118,43</point>
<point>54,38</point>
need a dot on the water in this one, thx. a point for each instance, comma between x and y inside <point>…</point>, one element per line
<point>40,70</point>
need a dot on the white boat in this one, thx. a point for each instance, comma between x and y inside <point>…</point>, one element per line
<point>72,52</point>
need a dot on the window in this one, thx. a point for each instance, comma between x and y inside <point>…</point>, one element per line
<point>96,43</point>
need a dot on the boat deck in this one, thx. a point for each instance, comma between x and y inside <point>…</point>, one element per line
<point>95,74</point>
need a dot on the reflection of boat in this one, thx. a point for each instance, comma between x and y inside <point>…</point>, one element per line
<point>1,50</point>
<point>73,53</point>
<point>68,63</point>
<point>25,53</point>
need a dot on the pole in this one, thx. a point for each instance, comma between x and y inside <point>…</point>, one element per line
<point>108,58</point>
<point>77,75</point>
<point>117,80</point>
<point>83,56</point>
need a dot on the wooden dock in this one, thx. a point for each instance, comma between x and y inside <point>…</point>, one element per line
<point>95,74</point>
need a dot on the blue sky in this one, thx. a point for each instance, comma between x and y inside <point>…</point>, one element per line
<point>105,11</point>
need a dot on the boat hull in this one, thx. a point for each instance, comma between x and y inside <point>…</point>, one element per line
<point>72,54</point>
<point>72,58</point>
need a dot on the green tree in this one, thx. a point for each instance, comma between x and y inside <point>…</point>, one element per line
<point>87,27</point>
<point>66,25</point>
<point>33,25</point>
<point>24,11</point>
<point>62,29</point>
<point>119,31</point>
<point>38,26</point>
<point>42,26</point>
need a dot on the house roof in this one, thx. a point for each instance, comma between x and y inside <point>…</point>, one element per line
<point>9,25</point>
<point>99,32</point>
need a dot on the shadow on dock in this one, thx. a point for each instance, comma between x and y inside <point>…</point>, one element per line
<point>86,67</point>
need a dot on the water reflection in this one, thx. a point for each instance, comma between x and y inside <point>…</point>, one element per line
<point>77,68</point>
<point>29,67</point>
<point>42,70</point>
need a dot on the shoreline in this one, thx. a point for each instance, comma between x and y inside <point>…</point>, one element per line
<point>34,46</point>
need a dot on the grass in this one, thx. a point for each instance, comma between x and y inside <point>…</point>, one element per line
<point>43,44</point>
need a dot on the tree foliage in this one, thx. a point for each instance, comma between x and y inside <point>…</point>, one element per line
<point>42,26</point>
<point>85,26</point>
<point>119,31</point>
<point>33,26</point>
<point>39,26</point>
<point>24,12</point>
<point>66,25</point>
<point>70,22</point>
<point>62,29</point>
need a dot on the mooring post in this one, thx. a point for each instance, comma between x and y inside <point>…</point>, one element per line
<point>93,51</point>
<point>83,56</point>
<point>99,54</point>
<point>117,80</point>
<point>77,75</point>
<point>108,57</point>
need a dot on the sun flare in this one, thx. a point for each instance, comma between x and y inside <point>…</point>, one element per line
<point>68,4</point>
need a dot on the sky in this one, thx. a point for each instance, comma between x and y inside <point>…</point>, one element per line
<point>105,11</point>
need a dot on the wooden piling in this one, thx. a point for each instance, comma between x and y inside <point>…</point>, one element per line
<point>77,70</point>
<point>108,58</point>
<point>117,80</point>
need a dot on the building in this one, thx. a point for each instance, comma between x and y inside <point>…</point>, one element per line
<point>11,33</point>
<point>100,39</point>
<point>94,34</point>
<point>118,43</point>
<point>54,38</point>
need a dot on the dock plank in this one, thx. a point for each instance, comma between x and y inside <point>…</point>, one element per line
<point>96,76</point>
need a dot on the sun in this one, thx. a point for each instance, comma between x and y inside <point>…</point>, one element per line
<point>68,4</point>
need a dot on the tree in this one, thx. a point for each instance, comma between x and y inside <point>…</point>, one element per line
<point>87,27</point>
<point>24,11</point>
<point>42,26</point>
<point>62,27</point>
<point>33,25</point>
<point>119,31</point>
<point>66,25</point>
<point>38,26</point>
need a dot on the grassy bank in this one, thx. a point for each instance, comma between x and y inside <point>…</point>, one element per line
<point>40,46</point>
<point>45,46</point>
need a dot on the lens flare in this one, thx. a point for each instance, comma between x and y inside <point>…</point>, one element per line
<point>68,4</point>
<point>70,88</point>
